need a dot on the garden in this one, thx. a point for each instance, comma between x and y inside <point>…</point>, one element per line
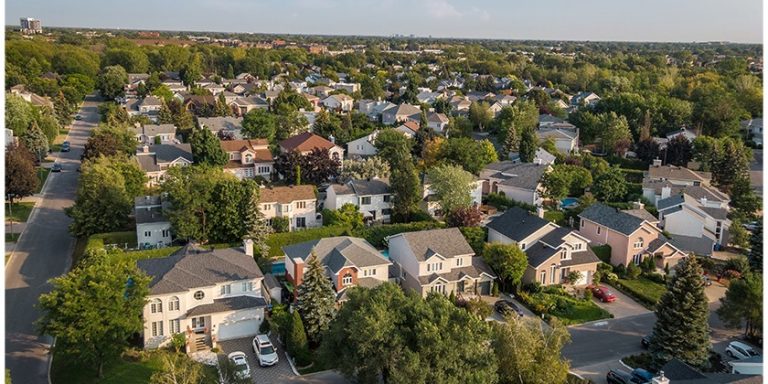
<point>555,301</point>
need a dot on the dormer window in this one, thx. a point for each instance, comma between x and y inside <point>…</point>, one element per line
<point>248,158</point>
<point>564,255</point>
<point>347,279</point>
<point>577,247</point>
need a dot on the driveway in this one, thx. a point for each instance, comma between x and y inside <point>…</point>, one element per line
<point>278,373</point>
<point>623,307</point>
<point>42,252</point>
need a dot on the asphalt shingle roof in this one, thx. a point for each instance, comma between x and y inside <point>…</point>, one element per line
<point>612,218</point>
<point>699,245</point>
<point>522,175</point>
<point>474,271</point>
<point>448,242</point>
<point>228,304</point>
<point>517,223</point>
<point>337,252</point>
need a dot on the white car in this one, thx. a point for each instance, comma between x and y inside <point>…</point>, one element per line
<point>240,360</point>
<point>265,351</point>
<point>739,351</point>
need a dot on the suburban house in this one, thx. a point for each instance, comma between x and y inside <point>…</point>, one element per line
<point>437,121</point>
<point>155,160</point>
<point>754,129</point>
<point>153,230</point>
<point>400,114</point>
<point>243,105</point>
<point>211,295</point>
<point>566,140</point>
<point>339,102</point>
<point>230,127</point>
<point>305,142</point>
<point>541,157</point>
<point>585,99</point>
<point>348,262</point>
<point>553,251</point>
<point>409,128</point>
<point>150,106</point>
<point>372,197</point>
<point>439,260</point>
<point>431,205</point>
<point>517,181</point>
<point>692,213</point>
<point>348,87</point>
<point>296,203</point>
<point>460,104</point>
<point>134,80</point>
<point>196,103</point>
<point>632,234</point>
<point>374,108</point>
<point>657,190</point>
<point>363,147</point>
<point>676,175</point>
<point>31,97</point>
<point>248,158</point>
<point>155,133</point>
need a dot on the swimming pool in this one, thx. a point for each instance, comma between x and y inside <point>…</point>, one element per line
<point>278,268</point>
<point>385,253</point>
<point>569,202</point>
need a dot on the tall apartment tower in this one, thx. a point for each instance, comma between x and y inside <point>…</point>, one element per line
<point>30,25</point>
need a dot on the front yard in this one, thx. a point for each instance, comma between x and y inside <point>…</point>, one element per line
<point>20,212</point>
<point>554,301</point>
<point>645,291</point>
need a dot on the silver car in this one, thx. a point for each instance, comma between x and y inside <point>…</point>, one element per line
<point>240,361</point>
<point>265,351</point>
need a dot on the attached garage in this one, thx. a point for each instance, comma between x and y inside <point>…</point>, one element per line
<point>238,329</point>
<point>484,288</point>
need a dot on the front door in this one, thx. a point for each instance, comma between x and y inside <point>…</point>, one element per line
<point>198,324</point>
<point>460,286</point>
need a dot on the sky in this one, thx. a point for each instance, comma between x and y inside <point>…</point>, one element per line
<point>606,20</point>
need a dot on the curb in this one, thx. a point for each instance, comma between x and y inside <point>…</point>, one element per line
<point>625,365</point>
<point>290,362</point>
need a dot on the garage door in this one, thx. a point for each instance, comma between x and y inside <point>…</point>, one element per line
<point>585,278</point>
<point>235,330</point>
<point>485,288</point>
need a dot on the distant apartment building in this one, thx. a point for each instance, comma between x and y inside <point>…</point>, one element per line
<point>31,25</point>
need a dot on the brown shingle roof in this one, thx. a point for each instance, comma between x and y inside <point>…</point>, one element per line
<point>306,141</point>
<point>678,173</point>
<point>284,195</point>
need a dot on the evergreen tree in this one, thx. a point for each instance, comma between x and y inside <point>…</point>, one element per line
<point>316,299</point>
<point>756,248</point>
<point>255,225</point>
<point>528,145</point>
<point>222,109</point>
<point>511,140</point>
<point>682,328</point>
<point>406,189</point>
<point>34,139</point>
<point>679,151</point>
<point>297,340</point>
<point>206,148</point>
<point>743,304</point>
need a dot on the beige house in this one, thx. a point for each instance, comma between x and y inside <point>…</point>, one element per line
<point>297,203</point>
<point>439,260</point>
<point>248,158</point>
<point>155,160</point>
<point>553,251</point>
<point>632,234</point>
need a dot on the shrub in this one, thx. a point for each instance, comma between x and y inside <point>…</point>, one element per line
<point>603,252</point>
<point>643,360</point>
<point>739,264</point>
<point>475,237</point>
<point>611,277</point>
<point>534,287</point>
<point>620,270</point>
<point>503,203</point>
<point>648,265</point>
<point>633,271</point>
<point>276,241</point>
<point>588,294</point>
<point>656,278</point>
<point>297,341</point>
<point>280,224</point>
<point>478,307</point>
<point>376,234</point>
<point>179,342</point>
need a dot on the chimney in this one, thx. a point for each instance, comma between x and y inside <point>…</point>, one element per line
<point>660,379</point>
<point>666,192</point>
<point>657,162</point>
<point>248,246</point>
<point>145,149</point>
<point>332,139</point>
<point>704,201</point>
<point>540,212</point>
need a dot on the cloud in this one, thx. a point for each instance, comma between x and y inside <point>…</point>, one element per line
<point>442,9</point>
<point>481,14</point>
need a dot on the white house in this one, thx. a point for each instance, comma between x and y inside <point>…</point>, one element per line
<point>339,102</point>
<point>439,260</point>
<point>248,158</point>
<point>348,262</point>
<point>372,197</point>
<point>437,121</point>
<point>692,214</point>
<point>676,175</point>
<point>517,181</point>
<point>210,295</point>
<point>153,230</point>
<point>363,147</point>
<point>566,140</point>
<point>297,203</point>
<point>348,87</point>
<point>155,160</point>
<point>150,106</point>
<point>152,133</point>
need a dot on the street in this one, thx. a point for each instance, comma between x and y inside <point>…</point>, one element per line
<point>42,252</point>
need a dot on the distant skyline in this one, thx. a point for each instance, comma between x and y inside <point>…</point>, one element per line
<point>597,20</point>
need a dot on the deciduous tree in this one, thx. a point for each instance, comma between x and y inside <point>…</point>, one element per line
<point>260,124</point>
<point>111,81</point>
<point>206,148</point>
<point>452,186</point>
<point>508,260</point>
<point>530,353</point>
<point>20,177</point>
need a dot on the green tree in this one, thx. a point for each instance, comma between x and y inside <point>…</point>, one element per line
<point>34,139</point>
<point>316,300</point>
<point>731,163</point>
<point>348,215</point>
<point>611,185</point>
<point>679,151</point>
<point>472,155</point>
<point>92,326</point>
<point>743,304</point>
<point>738,234</point>
<point>480,115</point>
<point>18,114</point>
<point>206,148</point>
<point>20,177</point>
<point>110,140</point>
<point>222,109</point>
<point>111,81</point>
<point>406,189</point>
<point>566,179</point>
<point>260,124</point>
<point>297,340</point>
<point>682,329</point>
<point>508,260</point>
<point>530,353</point>
<point>190,191</point>
<point>452,186</point>
<point>755,248</point>
<point>254,223</point>
<point>615,134</point>
<point>368,168</point>
<point>177,368</point>
<point>529,143</point>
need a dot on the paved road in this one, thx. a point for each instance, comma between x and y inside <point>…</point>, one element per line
<point>42,252</point>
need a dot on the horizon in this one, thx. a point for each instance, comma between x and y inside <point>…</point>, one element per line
<point>683,21</point>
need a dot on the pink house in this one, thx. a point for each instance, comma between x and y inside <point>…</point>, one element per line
<point>632,235</point>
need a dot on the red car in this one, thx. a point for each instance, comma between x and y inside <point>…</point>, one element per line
<point>603,294</point>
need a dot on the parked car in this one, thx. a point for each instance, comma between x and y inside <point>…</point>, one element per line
<point>78,117</point>
<point>240,361</point>
<point>646,341</point>
<point>707,280</point>
<point>640,375</point>
<point>603,294</point>
<point>751,226</point>
<point>65,146</point>
<point>739,350</point>
<point>506,307</point>
<point>56,167</point>
<point>616,376</point>
<point>265,351</point>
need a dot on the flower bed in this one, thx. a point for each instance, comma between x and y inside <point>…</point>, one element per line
<point>554,301</point>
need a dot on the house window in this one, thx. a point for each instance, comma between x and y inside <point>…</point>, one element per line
<point>157,328</point>
<point>522,246</point>
<point>174,326</point>
<point>577,247</point>
<point>249,172</point>
<point>543,277</point>
<point>639,243</point>
<point>387,198</point>
<point>369,272</point>
<point>552,273</point>
<point>301,222</point>
<point>347,279</point>
<point>248,158</point>
<point>285,208</point>
<point>637,258</point>
<point>439,288</point>
<point>226,289</point>
<point>386,212</point>
<point>598,230</point>
<point>366,200</point>
<point>231,156</point>
<point>156,306</point>
<point>434,267</point>
<point>267,207</point>
<point>459,261</point>
<point>263,170</point>
<point>247,286</point>
<point>199,295</point>
<point>301,204</point>
<point>563,255</point>
<point>166,233</point>
<point>582,223</point>
<point>147,233</point>
<point>173,304</point>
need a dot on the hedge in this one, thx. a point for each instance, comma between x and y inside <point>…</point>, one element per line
<point>627,163</point>
<point>503,203</point>
<point>100,240</point>
<point>376,234</point>
<point>276,241</point>
<point>633,175</point>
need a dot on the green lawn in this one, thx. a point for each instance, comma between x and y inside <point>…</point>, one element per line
<point>569,310</point>
<point>554,216</point>
<point>20,211</point>
<point>647,292</point>
<point>11,237</point>
<point>43,175</point>
<point>122,371</point>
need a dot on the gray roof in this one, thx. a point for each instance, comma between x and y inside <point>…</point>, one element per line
<point>228,304</point>
<point>612,218</point>
<point>370,187</point>
<point>474,270</point>
<point>337,252</point>
<point>586,256</point>
<point>154,130</point>
<point>555,237</point>
<point>271,281</point>
<point>151,101</point>
<point>679,372</point>
<point>191,268</point>
<point>641,214</point>
<point>216,124</point>
<point>698,245</point>
<point>556,133</point>
<point>517,223</point>
<point>717,213</point>
<point>522,175</point>
<point>151,215</point>
<point>448,242</point>
<point>162,153</point>
<point>670,202</point>
<point>539,253</point>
